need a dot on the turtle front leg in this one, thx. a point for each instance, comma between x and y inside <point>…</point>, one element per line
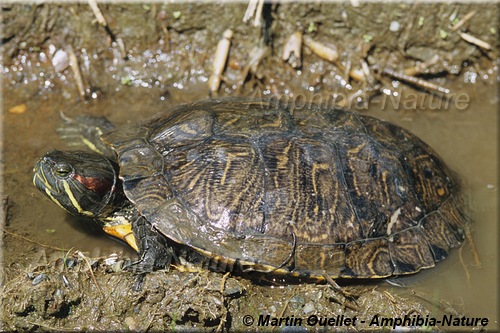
<point>87,130</point>
<point>155,253</point>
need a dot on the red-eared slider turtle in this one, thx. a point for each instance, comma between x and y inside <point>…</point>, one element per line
<point>262,186</point>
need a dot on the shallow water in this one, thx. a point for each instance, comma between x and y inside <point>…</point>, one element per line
<point>466,139</point>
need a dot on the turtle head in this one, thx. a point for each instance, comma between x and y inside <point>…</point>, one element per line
<point>80,182</point>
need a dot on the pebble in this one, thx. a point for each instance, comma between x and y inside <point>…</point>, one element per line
<point>309,307</point>
<point>297,301</point>
<point>39,278</point>
<point>394,27</point>
<point>60,61</point>
<point>70,262</point>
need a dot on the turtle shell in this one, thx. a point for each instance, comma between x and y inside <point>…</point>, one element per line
<point>300,191</point>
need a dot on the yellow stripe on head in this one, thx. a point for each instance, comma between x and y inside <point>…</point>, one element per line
<point>53,199</point>
<point>74,202</point>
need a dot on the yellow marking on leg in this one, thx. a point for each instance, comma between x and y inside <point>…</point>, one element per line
<point>90,145</point>
<point>123,232</point>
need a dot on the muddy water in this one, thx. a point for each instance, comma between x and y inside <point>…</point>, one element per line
<point>466,139</point>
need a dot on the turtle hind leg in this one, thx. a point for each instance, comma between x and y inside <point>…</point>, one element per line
<point>86,131</point>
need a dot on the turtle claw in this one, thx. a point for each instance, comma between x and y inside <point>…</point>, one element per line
<point>139,266</point>
<point>152,260</point>
<point>136,266</point>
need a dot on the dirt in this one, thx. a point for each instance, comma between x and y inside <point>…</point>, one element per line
<point>165,59</point>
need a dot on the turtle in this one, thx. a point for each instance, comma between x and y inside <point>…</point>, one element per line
<point>263,186</point>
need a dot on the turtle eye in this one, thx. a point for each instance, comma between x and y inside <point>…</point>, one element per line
<point>63,169</point>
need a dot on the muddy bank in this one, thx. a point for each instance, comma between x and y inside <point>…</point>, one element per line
<point>91,296</point>
<point>172,47</point>
<point>59,58</point>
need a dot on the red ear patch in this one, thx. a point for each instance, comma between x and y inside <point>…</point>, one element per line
<point>95,184</point>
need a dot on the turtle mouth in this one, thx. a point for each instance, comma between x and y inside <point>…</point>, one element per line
<point>40,179</point>
<point>43,184</point>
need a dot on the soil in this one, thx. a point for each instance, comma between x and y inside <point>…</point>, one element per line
<point>59,272</point>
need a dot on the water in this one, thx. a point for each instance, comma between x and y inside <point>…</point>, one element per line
<point>466,139</point>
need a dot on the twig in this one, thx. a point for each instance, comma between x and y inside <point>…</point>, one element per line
<point>97,12</point>
<point>258,13</point>
<point>153,317</point>
<point>252,4</point>
<point>347,296</point>
<point>73,62</point>
<point>100,18</point>
<point>474,40</point>
<point>121,46</point>
<point>460,256</point>
<point>285,306</point>
<point>52,328</point>
<point>441,305</point>
<point>220,60</point>
<point>419,68</point>
<point>221,323</point>
<point>292,52</point>
<point>416,81</point>
<point>223,282</point>
<point>464,19</point>
<point>321,50</point>
<point>256,56</point>
<point>222,287</point>
<point>473,249</point>
<point>32,241</point>
<point>254,8</point>
<point>80,254</point>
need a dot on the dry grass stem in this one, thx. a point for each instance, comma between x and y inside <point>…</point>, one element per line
<point>292,52</point>
<point>220,59</point>
<point>476,41</point>
<point>464,19</point>
<point>87,261</point>
<point>421,67</point>
<point>416,81</point>
<point>32,241</point>
<point>75,67</point>
<point>321,50</point>
<point>97,12</point>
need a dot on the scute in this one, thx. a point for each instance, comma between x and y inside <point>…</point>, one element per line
<point>305,191</point>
